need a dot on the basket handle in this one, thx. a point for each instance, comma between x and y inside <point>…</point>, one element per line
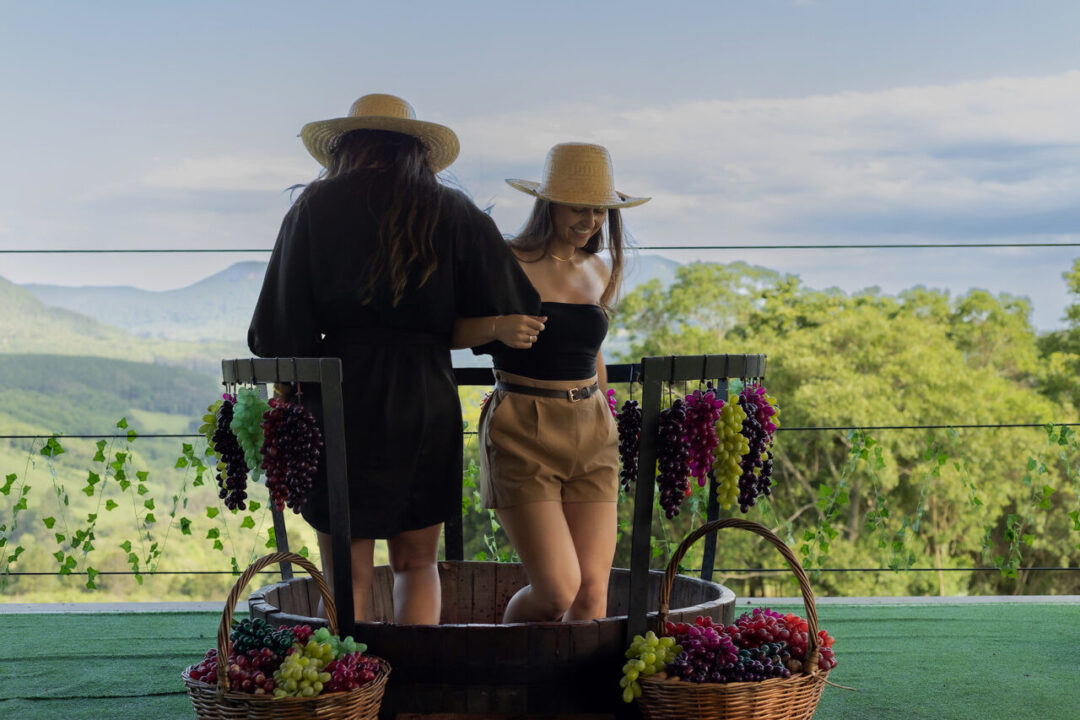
<point>224,645</point>
<point>810,661</point>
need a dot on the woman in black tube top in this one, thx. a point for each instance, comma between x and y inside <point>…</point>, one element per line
<point>548,442</point>
<point>374,263</point>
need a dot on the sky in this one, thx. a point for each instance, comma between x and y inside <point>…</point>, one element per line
<point>164,125</point>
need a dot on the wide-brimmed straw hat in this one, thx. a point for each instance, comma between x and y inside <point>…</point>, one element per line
<point>578,174</point>
<point>382,112</point>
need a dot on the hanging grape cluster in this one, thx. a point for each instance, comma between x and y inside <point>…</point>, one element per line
<point>232,470</point>
<point>629,423</point>
<point>732,446</point>
<point>673,455</point>
<point>702,414</point>
<point>291,448</point>
<point>758,428</point>
<point>247,426</point>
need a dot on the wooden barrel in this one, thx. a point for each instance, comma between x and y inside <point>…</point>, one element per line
<point>470,665</point>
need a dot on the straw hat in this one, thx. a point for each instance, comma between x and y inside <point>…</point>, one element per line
<point>382,112</point>
<point>578,174</point>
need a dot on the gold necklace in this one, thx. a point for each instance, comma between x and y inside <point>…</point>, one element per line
<point>565,259</point>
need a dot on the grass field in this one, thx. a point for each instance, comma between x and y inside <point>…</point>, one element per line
<point>944,661</point>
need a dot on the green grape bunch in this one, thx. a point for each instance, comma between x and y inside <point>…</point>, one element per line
<point>338,647</point>
<point>247,426</point>
<point>647,655</point>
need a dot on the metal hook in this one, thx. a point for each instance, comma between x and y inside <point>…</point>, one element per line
<point>251,362</point>
<point>296,378</point>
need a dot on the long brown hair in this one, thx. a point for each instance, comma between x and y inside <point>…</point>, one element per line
<point>535,238</point>
<point>412,199</point>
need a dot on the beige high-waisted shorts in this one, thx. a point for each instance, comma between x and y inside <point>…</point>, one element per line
<point>535,448</point>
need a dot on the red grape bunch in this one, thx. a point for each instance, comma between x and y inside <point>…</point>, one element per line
<point>702,413</point>
<point>629,424</point>
<point>232,469</point>
<point>291,450</point>
<point>673,455</point>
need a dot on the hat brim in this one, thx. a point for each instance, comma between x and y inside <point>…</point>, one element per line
<point>620,201</point>
<point>441,142</point>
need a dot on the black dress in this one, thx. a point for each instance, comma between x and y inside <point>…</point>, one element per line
<point>403,423</point>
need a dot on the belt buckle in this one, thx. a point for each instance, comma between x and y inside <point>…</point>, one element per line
<point>579,393</point>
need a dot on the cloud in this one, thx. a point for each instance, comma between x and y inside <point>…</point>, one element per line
<point>987,158</point>
<point>230,173</point>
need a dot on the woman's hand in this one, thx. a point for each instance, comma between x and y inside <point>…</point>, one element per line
<point>518,331</point>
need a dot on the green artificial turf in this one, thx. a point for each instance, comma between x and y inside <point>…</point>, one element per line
<point>947,662</point>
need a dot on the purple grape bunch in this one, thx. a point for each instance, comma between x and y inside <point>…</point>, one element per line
<point>708,655</point>
<point>291,452</point>
<point>232,469</point>
<point>629,423</point>
<point>702,414</point>
<point>757,463</point>
<point>673,455</point>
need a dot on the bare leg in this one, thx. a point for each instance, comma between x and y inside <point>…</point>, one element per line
<point>544,544</point>
<point>417,591</point>
<point>593,526</point>
<point>363,569</point>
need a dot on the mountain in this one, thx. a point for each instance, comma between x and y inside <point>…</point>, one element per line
<point>219,307</point>
<point>29,325</point>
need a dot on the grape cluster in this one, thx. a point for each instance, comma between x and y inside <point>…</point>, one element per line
<point>673,455</point>
<point>629,423</point>
<point>232,470</point>
<point>302,671</point>
<point>206,669</point>
<point>702,413</point>
<point>647,655</point>
<point>302,633</point>
<point>248,672</point>
<point>291,452</point>
<point>351,671</point>
<point>338,646</point>
<point>706,652</point>
<point>729,452</point>
<point>800,632</point>
<point>257,633</point>
<point>756,464</point>
<point>248,411</point>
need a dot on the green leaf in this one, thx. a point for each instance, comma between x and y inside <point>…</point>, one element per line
<point>131,435</point>
<point>249,522</point>
<point>304,552</point>
<point>254,505</point>
<point>149,504</point>
<point>8,482</point>
<point>149,519</point>
<point>124,484</point>
<point>213,533</point>
<point>91,518</point>
<point>181,462</point>
<point>141,489</point>
<point>271,541</point>
<point>49,522</point>
<point>59,555</point>
<point>59,538</point>
<point>122,423</point>
<point>185,526</point>
<point>126,546</point>
<point>110,505</point>
<point>142,475</point>
<point>52,447</point>
<point>212,512</point>
<point>100,455</point>
<point>91,575</point>
<point>218,545</point>
<point>15,556</point>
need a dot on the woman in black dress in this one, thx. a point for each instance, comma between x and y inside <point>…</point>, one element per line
<point>374,263</point>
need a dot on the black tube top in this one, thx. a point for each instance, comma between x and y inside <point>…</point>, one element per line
<point>565,350</point>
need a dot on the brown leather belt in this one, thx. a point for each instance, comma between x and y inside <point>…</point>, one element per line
<point>572,394</point>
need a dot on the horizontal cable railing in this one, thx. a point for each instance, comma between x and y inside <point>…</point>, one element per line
<point>830,246</point>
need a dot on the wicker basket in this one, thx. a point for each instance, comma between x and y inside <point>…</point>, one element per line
<point>793,698</point>
<point>215,702</point>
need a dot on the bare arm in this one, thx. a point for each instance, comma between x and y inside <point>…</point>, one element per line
<point>601,372</point>
<point>516,331</point>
